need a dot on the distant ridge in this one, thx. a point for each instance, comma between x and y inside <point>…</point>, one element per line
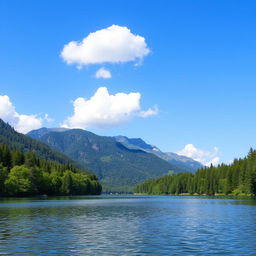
<point>182,162</point>
<point>37,134</point>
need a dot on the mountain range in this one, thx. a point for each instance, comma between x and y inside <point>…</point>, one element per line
<point>119,162</point>
<point>182,162</point>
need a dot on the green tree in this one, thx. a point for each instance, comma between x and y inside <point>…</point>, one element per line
<point>5,156</point>
<point>19,182</point>
<point>56,183</point>
<point>17,158</point>
<point>67,183</point>
<point>3,177</point>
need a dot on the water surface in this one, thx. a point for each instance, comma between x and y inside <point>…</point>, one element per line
<point>131,225</point>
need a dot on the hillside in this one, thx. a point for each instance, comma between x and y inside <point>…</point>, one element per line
<point>15,140</point>
<point>29,167</point>
<point>182,162</point>
<point>25,174</point>
<point>116,166</point>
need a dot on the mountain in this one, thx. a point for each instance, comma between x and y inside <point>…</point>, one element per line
<point>15,140</point>
<point>182,162</point>
<point>135,143</point>
<point>37,134</point>
<point>29,167</point>
<point>117,166</point>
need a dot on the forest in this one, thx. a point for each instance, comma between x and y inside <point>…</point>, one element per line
<point>238,178</point>
<point>25,174</point>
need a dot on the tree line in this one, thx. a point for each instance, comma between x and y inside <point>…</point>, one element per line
<point>25,174</point>
<point>238,178</point>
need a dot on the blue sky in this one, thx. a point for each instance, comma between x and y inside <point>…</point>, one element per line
<point>200,71</point>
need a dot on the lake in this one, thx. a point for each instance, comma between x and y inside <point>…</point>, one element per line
<point>128,225</point>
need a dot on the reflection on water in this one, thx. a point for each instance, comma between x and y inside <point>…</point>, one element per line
<point>128,226</point>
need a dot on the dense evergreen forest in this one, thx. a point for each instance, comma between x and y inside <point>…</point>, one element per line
<point>24,174</point>
<point>238,178</point>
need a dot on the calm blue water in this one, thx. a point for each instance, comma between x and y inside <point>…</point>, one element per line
<point>132,225</point>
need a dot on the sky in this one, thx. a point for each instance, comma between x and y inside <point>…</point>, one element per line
<point>179,74</point>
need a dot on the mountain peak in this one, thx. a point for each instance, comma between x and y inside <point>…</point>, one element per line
<point>37,134</point>
<point>137,142</point>
<point>183,162</point>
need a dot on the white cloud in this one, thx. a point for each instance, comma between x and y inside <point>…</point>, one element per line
<point>115,44</point>
<point>48,119</point>
<point>205,157</point>
<point>214,161</point>
<point>103,110</point>
<point>103,73</point>
<point>21,123</point>
<point>150,112</point>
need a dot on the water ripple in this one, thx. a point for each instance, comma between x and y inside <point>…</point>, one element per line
<point>128,226</point>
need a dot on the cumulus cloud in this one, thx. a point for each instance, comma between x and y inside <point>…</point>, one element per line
<point>115,44</point>
<point>103,110</point>
<point>205,157</point>
<point>103,73</point>
<point>21,123</point>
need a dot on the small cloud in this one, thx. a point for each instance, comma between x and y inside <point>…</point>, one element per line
<point>104,110</point>
<point>115,44</point>
<point>21,123</point>
<point>205,157</point>
<point>48,119</point>
<point>150,112</point>
<point>214,161</point>
<point>103,73</point>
